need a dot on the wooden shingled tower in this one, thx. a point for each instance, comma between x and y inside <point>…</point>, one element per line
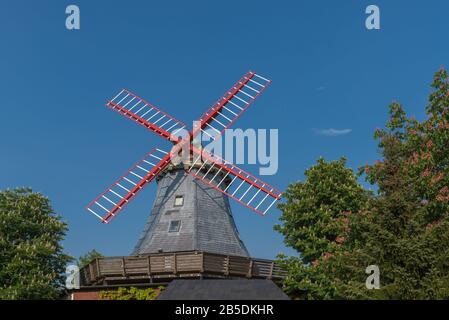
<point>189,214</point>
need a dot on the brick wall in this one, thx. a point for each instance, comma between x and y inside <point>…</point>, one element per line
<point>85,295</point>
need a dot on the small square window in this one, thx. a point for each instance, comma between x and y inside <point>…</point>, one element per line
<point>179,201</point>
<point>175,225</point>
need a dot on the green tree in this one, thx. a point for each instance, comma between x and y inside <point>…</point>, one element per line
<point>403,228</point>
<point>315,221</point>
<point>32,262</point>
<point>407,234</point>
<point>88,257</point>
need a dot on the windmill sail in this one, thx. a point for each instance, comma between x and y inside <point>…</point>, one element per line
<point>233,181</point>
<point>108,204</point>
<point>212,170</point>
<point>142,112</point>
<point>231,106</point>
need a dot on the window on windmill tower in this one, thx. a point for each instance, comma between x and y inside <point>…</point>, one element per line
<point>179,201</point>
<point>175,225</point>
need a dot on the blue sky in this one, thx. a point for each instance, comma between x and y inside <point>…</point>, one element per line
<point>329,73</point>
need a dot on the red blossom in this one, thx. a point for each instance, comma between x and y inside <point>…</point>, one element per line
<point>340,240</point>
<point>432,225</point>
<point>415,158</point>
<point>426,155</point>
<point>442,198</point>
<point>443,125</point>
<point>327,255</point>
<point>436,178</point>
<point>445,189</point>
<point>425,173</point>
<point>344,220</point>
<point>346,213</point>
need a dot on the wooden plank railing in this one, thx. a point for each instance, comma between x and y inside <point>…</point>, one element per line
<point>172,265</point>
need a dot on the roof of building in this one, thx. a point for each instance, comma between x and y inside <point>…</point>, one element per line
<point>228,289</point>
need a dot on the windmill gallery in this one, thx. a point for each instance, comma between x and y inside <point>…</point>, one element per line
<point>190,233</point>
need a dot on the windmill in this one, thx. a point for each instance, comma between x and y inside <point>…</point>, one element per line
<point>191,210</point>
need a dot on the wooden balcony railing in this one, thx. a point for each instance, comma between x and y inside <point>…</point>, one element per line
<point>163,267</point>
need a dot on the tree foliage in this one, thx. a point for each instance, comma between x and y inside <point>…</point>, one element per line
<point>32,261</point>
<point>403,228</point>
<point>88,257</point>
<point>131,293</point>
<point>315,221</point>
<point>410,217</point>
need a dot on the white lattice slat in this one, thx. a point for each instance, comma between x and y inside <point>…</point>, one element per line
<point>109,203</point>
<point>142,112</point>
<point>233,181</point>
<point>229,107</point>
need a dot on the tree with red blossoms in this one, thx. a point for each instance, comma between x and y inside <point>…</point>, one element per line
<point>403,228</point>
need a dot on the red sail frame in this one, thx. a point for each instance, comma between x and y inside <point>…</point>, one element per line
<point>231,102</point>
<point>113,200</point>
<point>210,161</point>
<point>225,102</point>
<point>141,105</point>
